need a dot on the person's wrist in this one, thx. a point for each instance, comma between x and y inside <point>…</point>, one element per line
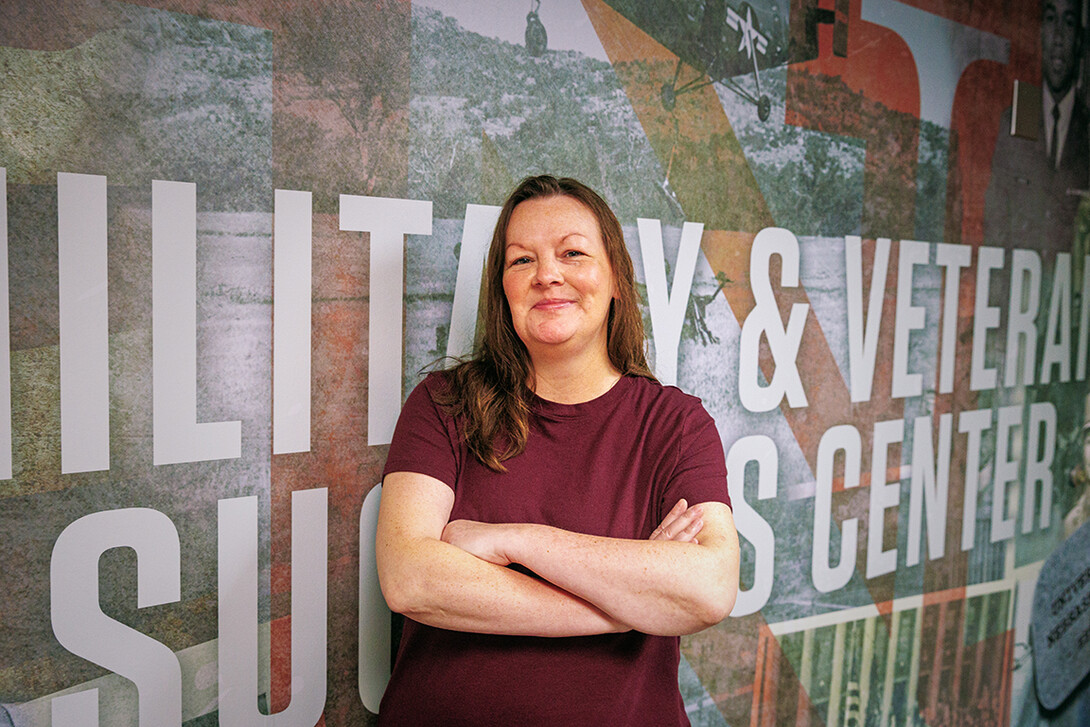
<point>517,541</point>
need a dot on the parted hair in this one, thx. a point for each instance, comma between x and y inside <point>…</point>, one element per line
<point>490,393</point>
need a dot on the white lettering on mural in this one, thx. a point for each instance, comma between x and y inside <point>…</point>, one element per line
<point>765,320</point>
<point>388,221</point>
<point>863,341</point>
<point>909,318</point>
<point>884,494</point>
<point>953,258</point>
<point>1058,352</point>
<point>476,236</point>
<point>178,437</point>
<point>1025,296</point>
<point>761,451</point>
<point>668,307</point>
<point>973,424</point>
<point>374,628</point>
<point>1041,451</point>
<point>843,439</point>
<point>5,336</point>
<point>292,243</point>
<point>84,328</point>
<point>930,485</point>
<point>1005,470</point>
<point>238,622</point>
<point>81,627</point>
<point>985,318</point>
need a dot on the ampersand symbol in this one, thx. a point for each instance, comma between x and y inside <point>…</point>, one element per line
<point>765,318</point>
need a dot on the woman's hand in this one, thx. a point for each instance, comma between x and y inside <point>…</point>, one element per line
<point>681,524</point>
<point>483,540</point>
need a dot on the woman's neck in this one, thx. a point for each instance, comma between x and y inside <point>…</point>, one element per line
<point>573,381</point>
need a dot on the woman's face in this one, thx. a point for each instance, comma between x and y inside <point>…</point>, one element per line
<point>557,277</point>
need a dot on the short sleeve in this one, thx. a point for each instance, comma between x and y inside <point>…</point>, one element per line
<point>700,474</point>
<point>425,439</point>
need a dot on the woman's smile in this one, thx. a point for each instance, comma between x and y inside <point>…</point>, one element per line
<point>553,304</point>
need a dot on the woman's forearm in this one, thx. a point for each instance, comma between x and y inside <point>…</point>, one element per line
<point>664,588</point>
<point>655,586</point>
<point>442,586</point>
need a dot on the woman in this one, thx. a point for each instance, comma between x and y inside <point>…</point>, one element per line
<point>555,452</point>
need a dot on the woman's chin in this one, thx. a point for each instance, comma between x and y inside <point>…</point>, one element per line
<point>550,340</point>
<point>549,336</point>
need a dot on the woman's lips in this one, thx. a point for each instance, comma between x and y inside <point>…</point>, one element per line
<point>552,304</point>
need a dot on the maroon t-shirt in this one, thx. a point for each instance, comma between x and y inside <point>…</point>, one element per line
<point>613,466</point>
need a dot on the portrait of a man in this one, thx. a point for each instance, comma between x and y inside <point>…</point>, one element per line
<point>1030,201</point>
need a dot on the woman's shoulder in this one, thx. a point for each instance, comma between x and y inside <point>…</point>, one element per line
<point>435,380</point>
<point>659,391</point>
<point>446,388</point>
<point>664,397</point>
<point>429,393</point>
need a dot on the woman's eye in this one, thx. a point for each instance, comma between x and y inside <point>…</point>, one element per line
<point>518,261</point>
<point>573,253</point>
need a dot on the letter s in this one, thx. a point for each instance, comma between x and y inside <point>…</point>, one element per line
<point>762,450</point>
<point>81,627</point>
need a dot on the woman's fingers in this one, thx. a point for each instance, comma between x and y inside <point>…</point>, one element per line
<point>681,524</point>
<point>688,535</point>
<point>661,532</point>
<point>676,512</point>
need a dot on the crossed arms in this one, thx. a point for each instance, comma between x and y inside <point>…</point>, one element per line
<point>452,575</point>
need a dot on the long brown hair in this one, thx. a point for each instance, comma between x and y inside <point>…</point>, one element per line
<point>490,393</point>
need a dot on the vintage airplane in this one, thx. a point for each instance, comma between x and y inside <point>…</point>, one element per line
<point>722,44</point>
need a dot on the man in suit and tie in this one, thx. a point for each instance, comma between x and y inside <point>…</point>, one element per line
<point>1027,203</point>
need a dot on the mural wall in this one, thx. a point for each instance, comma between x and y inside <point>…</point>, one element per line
<point>236,231</point>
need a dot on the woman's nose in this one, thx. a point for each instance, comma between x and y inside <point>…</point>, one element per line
<point>548,272</point>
